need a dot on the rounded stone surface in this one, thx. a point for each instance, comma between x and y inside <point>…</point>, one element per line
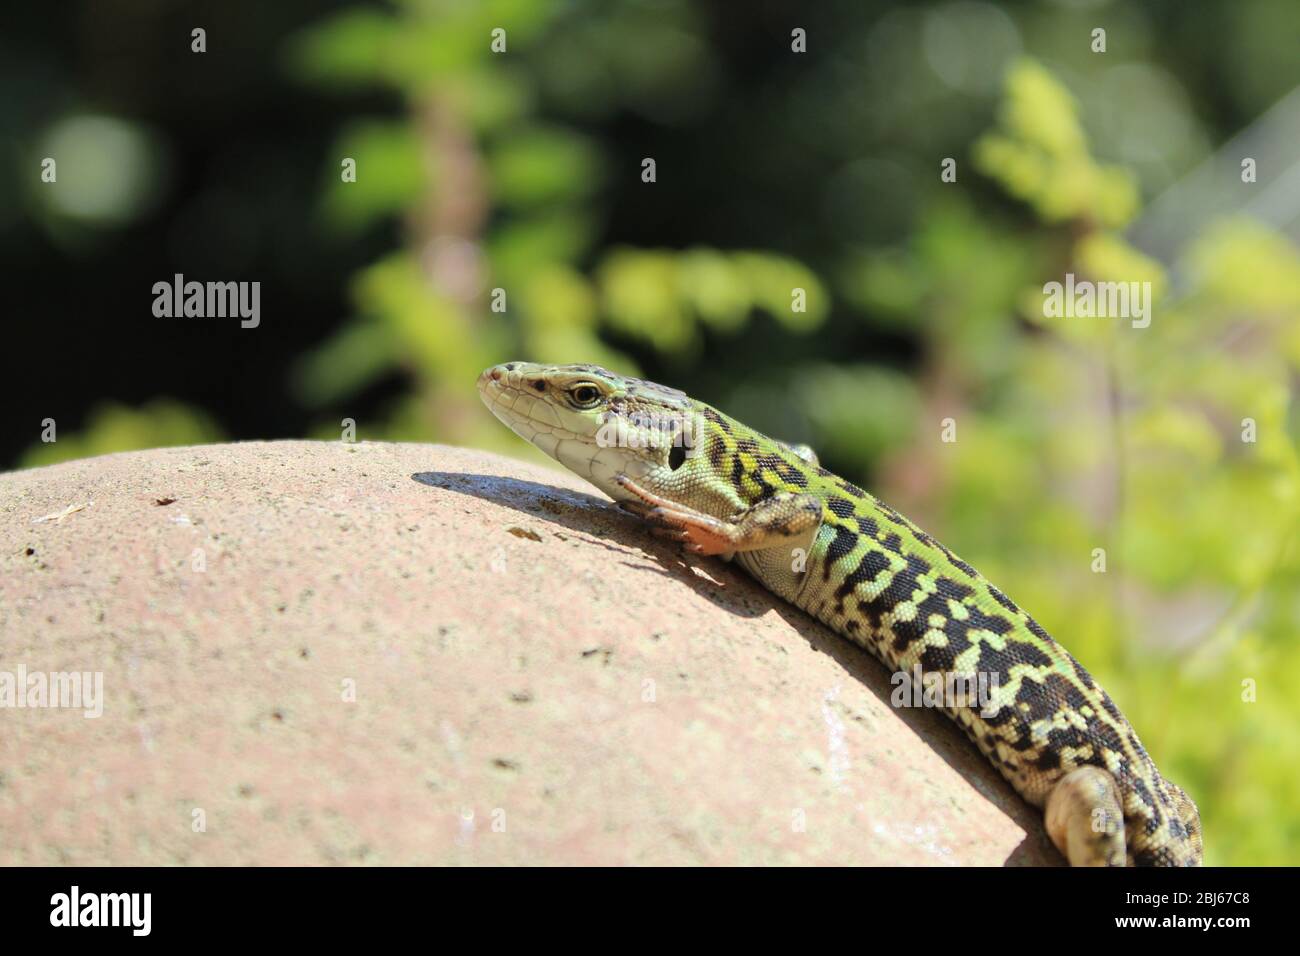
<point>323,653</point>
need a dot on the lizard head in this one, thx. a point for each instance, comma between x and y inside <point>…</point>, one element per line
<point>593,421</point>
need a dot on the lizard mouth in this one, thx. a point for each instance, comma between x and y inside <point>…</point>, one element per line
<point>527,416</point>
<point>536,421</point>
<point>498,386</point>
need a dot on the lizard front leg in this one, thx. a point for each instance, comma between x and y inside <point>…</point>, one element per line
<point>775,522</point>
<point>1084,818</point>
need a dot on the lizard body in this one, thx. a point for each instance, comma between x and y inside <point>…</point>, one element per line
<point>828,547</point>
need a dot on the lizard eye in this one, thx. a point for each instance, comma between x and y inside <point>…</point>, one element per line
<point>584,396</point>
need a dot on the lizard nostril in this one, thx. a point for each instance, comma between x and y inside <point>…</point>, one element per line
<point>496,375</point>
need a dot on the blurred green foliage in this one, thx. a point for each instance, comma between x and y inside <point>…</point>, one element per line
<point>112,427</point>
<point>495,197</point>
<point>925,304</point>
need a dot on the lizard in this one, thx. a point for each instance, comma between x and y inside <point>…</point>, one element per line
<point>718,487</point>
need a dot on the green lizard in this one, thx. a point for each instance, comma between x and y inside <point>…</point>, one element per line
<point>720,488</point>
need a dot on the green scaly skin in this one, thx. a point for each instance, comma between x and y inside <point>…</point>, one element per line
<point>828,547</point>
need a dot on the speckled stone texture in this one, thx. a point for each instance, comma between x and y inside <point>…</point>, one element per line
<point>414,654</point>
